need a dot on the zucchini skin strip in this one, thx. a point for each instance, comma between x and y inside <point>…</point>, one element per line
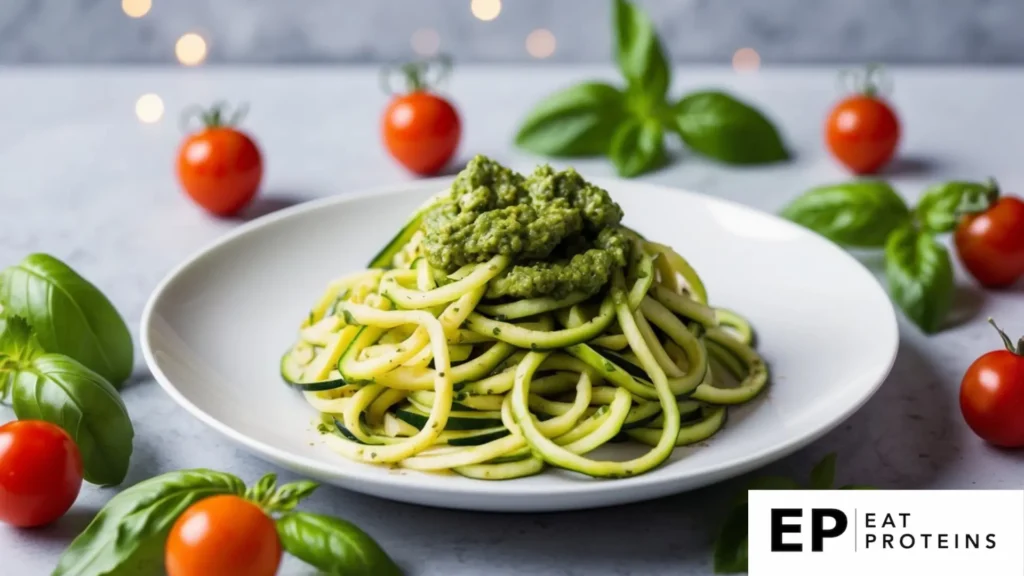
<point>530,307</point>
<point>417,299</point>
<point>685,306</point>
<point>540,340</point>
<point>738,323</point>
<point>712,420</point>
<point>755,381</point>
<point>696,354</point>
<point>679,265</point>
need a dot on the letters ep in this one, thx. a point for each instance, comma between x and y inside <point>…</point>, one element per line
<point>782,525</point>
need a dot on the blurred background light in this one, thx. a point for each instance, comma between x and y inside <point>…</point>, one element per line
<point>485,9</point>
<point>746,60</point>
<point>149,108</point>
<point>190,49</point>
<point>540,43</point>
<point>426,42</point>
<point>136,8</point>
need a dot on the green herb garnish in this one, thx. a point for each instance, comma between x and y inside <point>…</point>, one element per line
<point>628,124</point>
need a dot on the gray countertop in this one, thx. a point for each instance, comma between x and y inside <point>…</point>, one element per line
<point>83,179</point>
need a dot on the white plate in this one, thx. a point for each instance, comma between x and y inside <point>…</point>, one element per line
<point>214,331</point>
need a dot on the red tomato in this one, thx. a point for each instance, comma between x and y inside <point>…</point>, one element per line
<point>991,244</point>
<point>220,167</point>
<point>862,132</point>
<point>992,395</point>
<point>223,535</point>
<point>40,472</point>
<point>421,131</point>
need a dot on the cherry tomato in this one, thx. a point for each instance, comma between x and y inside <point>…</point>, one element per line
<point>862,131</point>
<point>219,166</point>
<point>421,129</point>
<point>992,395</point>
<point>40,472</point>
<point>224,535</point>
<point>991,243</point>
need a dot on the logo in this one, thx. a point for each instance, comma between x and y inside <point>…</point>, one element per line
<point>875,532</point>
<point>818,530</point>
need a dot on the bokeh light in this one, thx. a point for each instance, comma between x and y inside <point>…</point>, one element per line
<point>746,60</point>
<point>485,9</point>
<point>190,49</point>
<point>149,108</point>
<point>136,8</point>
<point>426,42</point>
<point>540,43</point>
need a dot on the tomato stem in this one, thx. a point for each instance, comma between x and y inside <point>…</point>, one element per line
<point>871,81</point>
<point>414,81</point>
<point>216,116</point>
<point>1018,350</point>
<point>993,189</point>
<point>418,75</point>
<point>5,381</point>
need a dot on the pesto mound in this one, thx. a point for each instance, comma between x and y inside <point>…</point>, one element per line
<point>561,232</point>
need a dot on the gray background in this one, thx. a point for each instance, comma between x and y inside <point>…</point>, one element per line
<point>317,31</point>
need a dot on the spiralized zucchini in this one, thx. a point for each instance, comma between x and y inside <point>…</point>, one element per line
<point>413,367</point>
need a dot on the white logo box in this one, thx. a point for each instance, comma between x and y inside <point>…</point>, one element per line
<point>933,532</point>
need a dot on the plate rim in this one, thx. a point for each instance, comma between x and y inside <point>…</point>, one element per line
<point>637,488</point>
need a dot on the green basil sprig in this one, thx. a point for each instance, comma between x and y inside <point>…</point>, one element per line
<point>731,547</point>
<point>870,214</point>
<point>69,315</point>
<point>60,390</point>
<point>629,124</point>
<point>128,535</point>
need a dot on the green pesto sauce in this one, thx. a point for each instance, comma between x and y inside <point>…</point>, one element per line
<point>561,232</point>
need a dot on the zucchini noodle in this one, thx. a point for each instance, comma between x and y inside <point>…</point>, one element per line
<point>434,370</point>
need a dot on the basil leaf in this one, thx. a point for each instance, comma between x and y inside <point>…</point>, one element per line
<point>859,214</point>
<point>731,546</point>
<point>333,546</point>
<point>577,121</point>
<point>639,147</point>
<point>69,315</point>
<point>639,53</point>
<point>288,496</point>
<point>942,205</point>
<point>127,536</point>
<point>920,277</point>
<point>718,126</point>
<point>58,389</point>
<point>823,475</point>
<point>263,489</point>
